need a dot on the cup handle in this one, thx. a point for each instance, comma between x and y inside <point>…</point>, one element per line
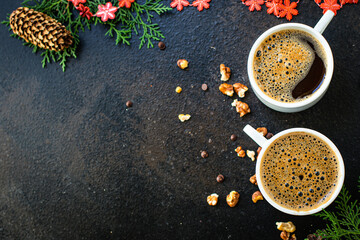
<point>324,21</point>
<point>255,135</point>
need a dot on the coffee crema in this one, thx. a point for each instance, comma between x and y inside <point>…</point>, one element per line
<point>289,65</point>
<point>299,171</point>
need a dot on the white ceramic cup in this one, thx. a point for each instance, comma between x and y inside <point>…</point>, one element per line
<point>320,92</point>
<point>265,143</point>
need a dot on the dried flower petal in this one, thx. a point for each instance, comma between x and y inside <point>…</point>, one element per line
<point>330,5</point>
<point>84,11</point>
<point>274,7</point>
<point>125,3</point>
<point>201,4</point>
<point>77,2</point>
<point>179,4</point>
<point>106,11</point>
<point>254,4</point>
<point>288,9</point>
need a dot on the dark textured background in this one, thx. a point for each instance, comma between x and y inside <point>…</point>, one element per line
<point>75,164</point>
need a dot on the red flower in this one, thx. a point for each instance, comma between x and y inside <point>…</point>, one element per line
<point>84,11</point>
<point>288,9</point>
<point>201,4</point>
<point>76,2</point>
<point>126,3</point>
<point>330,5</point>
<point>254,4</point>
<point>342,2</point>
<point>106,11</point>
<point>274,7</point>
<point>317,1</point>
<point>179,4</point>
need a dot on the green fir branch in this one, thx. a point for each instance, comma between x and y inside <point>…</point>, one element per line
<point>344,223</point>
<point>137,19</point>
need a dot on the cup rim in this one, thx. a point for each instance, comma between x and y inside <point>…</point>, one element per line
<point>324,85</point>
<point>337,190</point>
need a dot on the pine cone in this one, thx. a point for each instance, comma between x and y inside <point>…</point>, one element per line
<point>40,29</point>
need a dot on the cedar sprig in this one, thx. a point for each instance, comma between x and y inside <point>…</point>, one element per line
<point>345,221</point>
<point>137,19</point>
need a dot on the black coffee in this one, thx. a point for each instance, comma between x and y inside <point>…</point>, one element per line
<point>289,65</point>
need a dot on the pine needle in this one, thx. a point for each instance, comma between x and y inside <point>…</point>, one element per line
<point>344,223</point>
<point>137,19</point>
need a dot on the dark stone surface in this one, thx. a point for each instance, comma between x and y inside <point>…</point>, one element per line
<point>75,164</point>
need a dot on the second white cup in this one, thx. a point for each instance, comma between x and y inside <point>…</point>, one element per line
<point>266,143</point>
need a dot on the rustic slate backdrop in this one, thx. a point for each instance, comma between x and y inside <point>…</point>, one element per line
<point>75,164</point>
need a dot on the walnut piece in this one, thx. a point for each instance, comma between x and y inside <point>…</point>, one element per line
<point>184,117</point>
<point>262,130</point>
<point>178,89</point>
<point>286,226</point>
<point>250,154</point>
<point>284,235</point>
<point>182,63</point>
<point>240,89</point>
<point>240,151</point>
<point>225,72</point>
<point>233,198</point>
<point>234,102</point>
<point>258,152</point>
<point>227,89</point>
<point>312,237</point>
<point>257,196</point>
<point>253,179</point>
<point>242,108</point>
<point>212,199</point>
<point>293,237</point>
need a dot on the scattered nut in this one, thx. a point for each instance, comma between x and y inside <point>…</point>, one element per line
<point>284,235</point>
<point>182,63</point>
<point>233,137</point>
<point>253,179</point>
<point>258,151</point>
<point>242,108</point>
<point>129,104</point>
<point>233,198</point>
<point>240,151</point>
<point>240,89</point>
<point>262,130</point>
<point>184,117</point>
<point>161,45</point>
<point>234,102</point>
<point>293,237</point>
<point>250,154</point>
<point>269,135</point>
<point>178,89</point>
<point>257,196</point>
<point>212,199</point>
<point>227,89</point>
<point>225,72</point>
<point>220,178</point>
<point>313,237</point>
<point>204,87</point>
<point>286,226</point>
<point>204,154</point>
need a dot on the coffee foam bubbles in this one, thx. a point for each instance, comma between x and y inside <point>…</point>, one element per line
<point>282,60</point>
<point>299,171</point>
